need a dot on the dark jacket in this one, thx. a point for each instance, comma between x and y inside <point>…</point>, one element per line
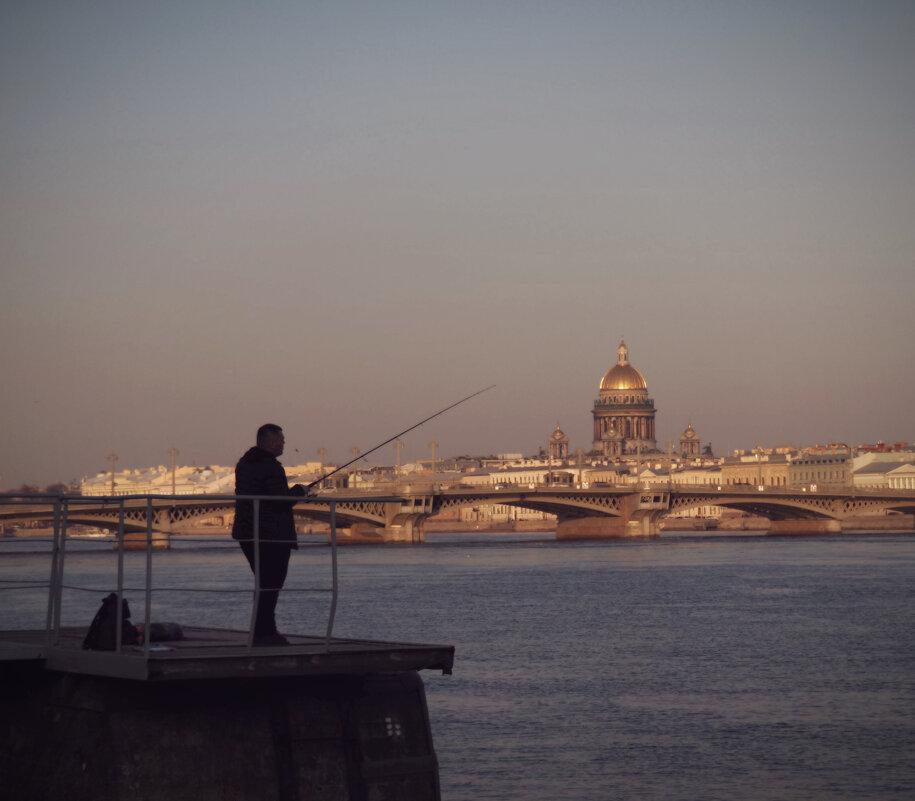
<point>259,472</point>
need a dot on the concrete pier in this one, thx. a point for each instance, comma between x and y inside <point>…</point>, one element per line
<point>209,718</point>
<point>85,738</point>
<point>603,528</point>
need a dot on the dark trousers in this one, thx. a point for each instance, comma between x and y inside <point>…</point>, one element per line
<point>274,563</point>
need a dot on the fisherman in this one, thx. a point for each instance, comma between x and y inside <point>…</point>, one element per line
<point>259,472</point>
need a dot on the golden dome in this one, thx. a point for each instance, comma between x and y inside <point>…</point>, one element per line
<point>623,375</point>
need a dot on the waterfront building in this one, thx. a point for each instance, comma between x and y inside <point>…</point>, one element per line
<point>903,477</point>
<point>866,455</point>
<point>528,476</point>
<point>819,470</point>
<point>598,475</point>
<point>757,470</point>
<point>624,415</point>
<point>698,475</point>
<point>654,476</point>
<point>159,481</point>
<point>880,475</point>
<point>187,480</point>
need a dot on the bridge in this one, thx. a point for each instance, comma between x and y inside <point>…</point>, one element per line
<point>398,513</point>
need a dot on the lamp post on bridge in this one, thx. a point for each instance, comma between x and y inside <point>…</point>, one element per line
<point>173,452</point>
<point>398,446</point>
<point>549,463</point>
<point>433,444</point>
<point>670,465</point>
<point>322,452</point>
<point>112,458</point>
<point>355,451</point>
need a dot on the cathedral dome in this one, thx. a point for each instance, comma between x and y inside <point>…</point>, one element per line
<point>623,375</point>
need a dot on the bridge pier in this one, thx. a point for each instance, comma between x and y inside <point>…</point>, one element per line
<point>161,533</point>
<point>406,528</point>
<point>136,540</point>
<point>807,526</point>
<point>403,529</point>
<point>606,528</point>
<point>641,512</point>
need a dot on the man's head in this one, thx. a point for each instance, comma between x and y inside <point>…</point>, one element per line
<point>270,438</point>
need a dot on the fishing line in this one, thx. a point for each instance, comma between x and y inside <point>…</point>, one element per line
<point>391,439</point>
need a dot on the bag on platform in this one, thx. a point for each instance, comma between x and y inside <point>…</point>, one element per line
<point>102,634</point>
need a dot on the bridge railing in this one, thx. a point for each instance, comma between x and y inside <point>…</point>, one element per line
<point>61,509</point>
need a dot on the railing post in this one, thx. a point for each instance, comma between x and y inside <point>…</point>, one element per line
<point>333,561</point>
<point>149,548</point>
<point>257,572</point>
<point>59,579</point>
<point>53,579</point>
<point>119,619</point>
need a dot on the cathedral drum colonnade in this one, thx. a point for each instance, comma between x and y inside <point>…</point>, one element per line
<point>624,415</point>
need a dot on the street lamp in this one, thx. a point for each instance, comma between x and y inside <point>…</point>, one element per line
<point>549,463</point>
<point>322,452</point>
<point>112,458</point>
<point>173,452</point>
<point>355,451</point>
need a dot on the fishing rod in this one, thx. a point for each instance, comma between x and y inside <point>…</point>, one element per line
<point>391,439</point>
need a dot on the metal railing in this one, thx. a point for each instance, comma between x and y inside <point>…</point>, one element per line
<point>61,508</point>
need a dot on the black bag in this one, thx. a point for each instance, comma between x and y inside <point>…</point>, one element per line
<point>102,634</point>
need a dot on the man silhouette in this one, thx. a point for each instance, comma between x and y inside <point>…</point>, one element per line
<point>259,472</point>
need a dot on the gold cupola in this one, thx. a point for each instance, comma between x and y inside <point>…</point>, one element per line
<point>623,375</point>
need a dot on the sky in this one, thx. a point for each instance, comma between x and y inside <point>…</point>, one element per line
<point>343,216</point>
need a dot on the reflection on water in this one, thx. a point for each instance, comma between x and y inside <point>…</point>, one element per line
<point>713,667</point>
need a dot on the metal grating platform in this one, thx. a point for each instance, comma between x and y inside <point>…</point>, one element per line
<point>218,653</point>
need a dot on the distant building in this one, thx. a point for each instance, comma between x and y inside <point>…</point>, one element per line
<point>599,475</point>
<point>760,469</point>
<point>624,415</point>
<point>903,477</point>
<point>703,475</point>
<point>559,444</point>
<point>212,480</point>
<point>867,455</point>
<point>159,481</point>
<point>880,474</point>
<point>529,476</point>
<point>819,470</point>
<point>689,443</point>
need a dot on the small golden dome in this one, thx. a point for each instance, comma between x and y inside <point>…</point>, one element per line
<point>623,375</point>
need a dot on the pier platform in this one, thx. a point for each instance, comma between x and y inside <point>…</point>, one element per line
<point>205,653</point>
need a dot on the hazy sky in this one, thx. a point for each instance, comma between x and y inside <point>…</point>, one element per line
<point>343,216</point>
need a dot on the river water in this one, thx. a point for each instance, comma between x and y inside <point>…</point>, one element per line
<point>688,667</point>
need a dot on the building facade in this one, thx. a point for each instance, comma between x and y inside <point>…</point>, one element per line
<point>558,444</point>
<point>689,443</point>
<point>624,415</point>
<point>820,471</point>
<point>757,470</point>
